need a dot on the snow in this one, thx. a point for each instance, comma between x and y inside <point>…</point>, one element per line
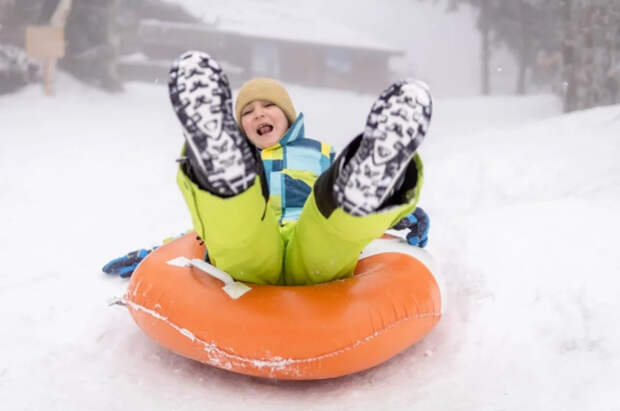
<point>523,205</point>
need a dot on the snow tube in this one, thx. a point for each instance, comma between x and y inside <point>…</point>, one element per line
<point>288,332</point>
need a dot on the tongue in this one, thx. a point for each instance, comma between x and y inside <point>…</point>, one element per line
<point>264,129</point>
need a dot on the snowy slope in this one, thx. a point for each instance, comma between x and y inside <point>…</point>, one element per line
<point>524,223</point>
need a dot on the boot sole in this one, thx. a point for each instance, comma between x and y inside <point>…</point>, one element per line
<point>395,128</point>
<point>201,98</point>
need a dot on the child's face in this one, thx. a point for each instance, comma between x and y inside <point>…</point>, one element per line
<point>264,123</point>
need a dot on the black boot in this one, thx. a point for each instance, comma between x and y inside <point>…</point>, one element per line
<point>395,127</point>
<point>221,158</point>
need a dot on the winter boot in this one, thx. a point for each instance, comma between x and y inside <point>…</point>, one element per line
<point>395,127</point>
<point>220,157</point>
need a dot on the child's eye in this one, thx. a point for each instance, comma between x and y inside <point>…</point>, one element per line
<point>245,113</point>
<point>269,104</point>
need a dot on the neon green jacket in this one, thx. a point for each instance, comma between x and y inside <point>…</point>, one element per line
<point>300,236</point>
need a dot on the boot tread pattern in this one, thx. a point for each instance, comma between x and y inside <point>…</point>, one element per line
<point>395,127</point>
<point>202,100</point>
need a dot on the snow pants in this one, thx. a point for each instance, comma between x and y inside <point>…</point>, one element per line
<point>245,239</point>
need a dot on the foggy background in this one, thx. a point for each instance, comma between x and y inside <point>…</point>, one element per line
<point>522,197</point>
<point>460,47</point>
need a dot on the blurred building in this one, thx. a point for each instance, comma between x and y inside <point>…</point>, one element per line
<point>318,54</point>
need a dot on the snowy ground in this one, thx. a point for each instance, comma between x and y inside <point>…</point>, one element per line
<point>523,204</point>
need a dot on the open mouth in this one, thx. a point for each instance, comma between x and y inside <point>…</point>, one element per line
<point>264,128</point>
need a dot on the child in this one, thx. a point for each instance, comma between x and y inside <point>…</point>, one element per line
<point>275,207</point>
<point>321,212</point>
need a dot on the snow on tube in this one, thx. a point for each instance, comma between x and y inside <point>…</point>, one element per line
<point>288,332</point>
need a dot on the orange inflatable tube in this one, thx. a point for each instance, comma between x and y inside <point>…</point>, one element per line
<point>288,332</point>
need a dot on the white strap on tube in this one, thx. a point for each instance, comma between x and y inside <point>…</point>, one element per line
<point>234,289</point>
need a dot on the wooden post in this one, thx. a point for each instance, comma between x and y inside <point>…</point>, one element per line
<point>60,16</point>
<point>49,72</point>
<point>47,43</point>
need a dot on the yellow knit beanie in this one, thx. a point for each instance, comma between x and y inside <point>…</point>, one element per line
<point>265,89</point>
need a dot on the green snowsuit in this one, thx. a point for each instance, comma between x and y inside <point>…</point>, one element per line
<point>254,237</point>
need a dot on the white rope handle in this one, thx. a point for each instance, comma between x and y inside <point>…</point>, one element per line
<point>234,289</point>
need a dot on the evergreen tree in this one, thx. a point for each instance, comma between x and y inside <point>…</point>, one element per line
<point>486,16</point>
<point>572,45</point>
<point>589,48</point>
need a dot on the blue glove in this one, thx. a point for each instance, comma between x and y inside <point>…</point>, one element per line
<point>125,265</point>
<point>418,224</point>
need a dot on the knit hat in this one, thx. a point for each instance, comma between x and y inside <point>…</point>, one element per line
<point>265,89</point>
